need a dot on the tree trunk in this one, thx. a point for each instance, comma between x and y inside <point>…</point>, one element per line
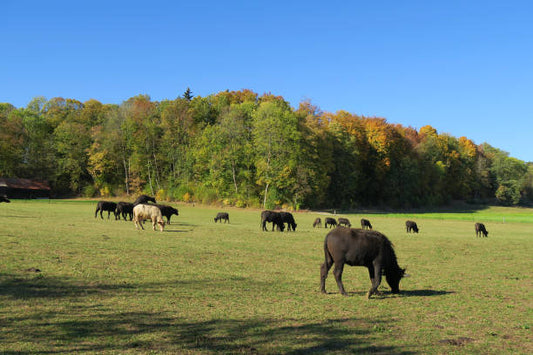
<point>126,176</point>
<point>234,177</point>
<point>266,193</point>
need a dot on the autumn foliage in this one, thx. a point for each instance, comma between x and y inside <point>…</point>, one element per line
<point>242,149</point>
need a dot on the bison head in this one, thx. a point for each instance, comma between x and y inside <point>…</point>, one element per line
<point>393,279</point>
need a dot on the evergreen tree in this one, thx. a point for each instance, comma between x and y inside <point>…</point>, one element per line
<point>187,95</point>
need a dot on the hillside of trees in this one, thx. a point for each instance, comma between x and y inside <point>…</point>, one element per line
<point>243,149</point>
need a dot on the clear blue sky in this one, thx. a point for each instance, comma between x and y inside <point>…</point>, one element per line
<point>463,67</point>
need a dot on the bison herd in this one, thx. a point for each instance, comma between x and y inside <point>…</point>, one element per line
<point>342,246</point>
<point>127,210</point>
<point>143,208</point>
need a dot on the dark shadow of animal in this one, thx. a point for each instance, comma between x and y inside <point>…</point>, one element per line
<point>222,216</point>
<point>287,217</point>
<point>167,211</point>
<point>481,230</point>
<point>124,209</point>
<point>105,206</point>
<point>424,293</point>
<point>4,198</point>
<point>344,222</point>
<point>359,247</point>
<point>332,222</point>
<point>272,217</point>
<point>365,224</point>
<point>144,199</point>
<point>411,226</point>
<point>317,223</point>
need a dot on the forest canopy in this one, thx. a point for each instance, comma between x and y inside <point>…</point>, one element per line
<point>243,149</point>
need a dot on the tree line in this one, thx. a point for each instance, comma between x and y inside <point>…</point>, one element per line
<point>243,149</point>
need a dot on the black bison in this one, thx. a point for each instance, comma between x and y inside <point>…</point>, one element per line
<point>143,199</point>
<point>4,198</point>
<point>222,216</point>
<point>481,230</point>
<point>317,223</point>
<point>105,206</point>
<point>331,221</point>
<point>287,217</point>
<point>365,224</point>
<point>411,226</point>
<point>272,217</point>
<point>124,209</point>
<point>344,222</point>
<point>359,247</point>
<point>167,211</point>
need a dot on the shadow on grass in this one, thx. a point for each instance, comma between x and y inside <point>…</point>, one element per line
<point>424,293</point>
<point>167,230</point>
<point>40,286</point>
<point>455,208</point>
<point>388,294</point>
<point>164,332</point>
<point>17,216</point>
<point>84,327</point>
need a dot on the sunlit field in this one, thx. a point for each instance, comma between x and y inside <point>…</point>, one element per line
<point>73,283</point>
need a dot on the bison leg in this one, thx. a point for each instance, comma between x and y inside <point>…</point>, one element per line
<point>371,273</point>
<point>138,223</point>
<point>324,269</point>
<point>337,271</point>
<point>375,281</point>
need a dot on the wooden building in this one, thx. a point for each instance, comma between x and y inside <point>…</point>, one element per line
<point>24,188</point>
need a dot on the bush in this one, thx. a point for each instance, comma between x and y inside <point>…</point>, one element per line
<point>508,194</point>
<point>89,191</point>
<point>181,193</point>
<point>206,195</point>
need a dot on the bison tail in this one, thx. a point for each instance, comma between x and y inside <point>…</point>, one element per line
<point>327,255</point>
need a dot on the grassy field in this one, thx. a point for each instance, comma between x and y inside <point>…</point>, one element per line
<point>200,287</point>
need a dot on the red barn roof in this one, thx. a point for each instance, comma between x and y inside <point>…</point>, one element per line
<point>25,184</point>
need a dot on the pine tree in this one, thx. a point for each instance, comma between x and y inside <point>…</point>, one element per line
<point>187,95</point>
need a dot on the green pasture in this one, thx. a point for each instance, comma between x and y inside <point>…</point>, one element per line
<point>200,287</point>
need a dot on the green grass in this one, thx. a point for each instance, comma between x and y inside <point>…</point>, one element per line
<point>201,287</point>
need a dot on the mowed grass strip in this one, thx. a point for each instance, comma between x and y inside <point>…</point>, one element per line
<point>201,287</point>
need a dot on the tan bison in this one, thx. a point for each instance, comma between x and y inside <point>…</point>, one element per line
<point>144,212</point>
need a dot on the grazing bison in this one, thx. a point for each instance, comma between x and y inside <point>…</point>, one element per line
<point>411,226</point>
<point>287,217</point>
<point>222,216</point>
<point>143,199</point>
<point>480,229</point>
<point>358,247</point>
<point>274,218</point>
<point>4,198</point>
<point>365,224</point>
<point>344,222</point>
<point>143,212</point>
<point>124,209</point>
<point>317,222</point>
<point>105,206</point>
<point>331,221</point>
<point>167,211</point>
